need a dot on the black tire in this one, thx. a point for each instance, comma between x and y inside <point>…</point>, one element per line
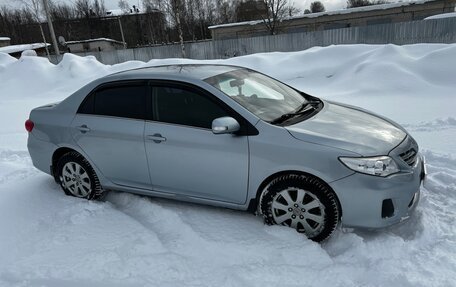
<point>90,177</point>
<point>313,189</point>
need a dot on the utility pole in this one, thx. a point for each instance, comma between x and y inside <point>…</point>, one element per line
<point>121,33</point>
<point>51,27</point>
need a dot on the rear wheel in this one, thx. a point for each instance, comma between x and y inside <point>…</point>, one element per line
<point>303,203</point>
<point>77,177</point>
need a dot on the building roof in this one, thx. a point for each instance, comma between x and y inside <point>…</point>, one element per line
<point>94,40</point>
<point>22,47</point>
<point>441,16</point>
<point>115,12</point>
<point>328,13</point>
<point>5,39</point>
<point>119,12</point>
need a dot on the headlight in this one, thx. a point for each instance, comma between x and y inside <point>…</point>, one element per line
<point>379,165</point>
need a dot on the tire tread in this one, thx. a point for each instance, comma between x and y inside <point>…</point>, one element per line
<point>312,184</point>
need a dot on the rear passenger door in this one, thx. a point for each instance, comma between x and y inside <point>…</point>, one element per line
<point>185,157</point>
<point>109,128</point>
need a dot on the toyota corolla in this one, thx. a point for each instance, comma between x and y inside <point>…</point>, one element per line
<point>232,137</point>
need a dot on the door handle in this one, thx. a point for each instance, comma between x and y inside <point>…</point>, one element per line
<point>156,138</point>
<point>83,129</point>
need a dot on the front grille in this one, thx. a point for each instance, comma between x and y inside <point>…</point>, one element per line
<point>409,156</point>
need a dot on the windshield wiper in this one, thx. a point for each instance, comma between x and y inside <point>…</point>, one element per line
<point>303,109</point>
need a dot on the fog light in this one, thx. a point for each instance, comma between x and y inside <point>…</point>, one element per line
<point>387,208</point>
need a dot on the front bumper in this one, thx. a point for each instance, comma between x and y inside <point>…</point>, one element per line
<point>375,202</point>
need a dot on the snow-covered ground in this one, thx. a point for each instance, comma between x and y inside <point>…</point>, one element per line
<point>49,239</point>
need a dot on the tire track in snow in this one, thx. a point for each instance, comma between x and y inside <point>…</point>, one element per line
<point>166,219</point>
<point>186,248</point>
<point>155,218</point>
<point>221,242</point>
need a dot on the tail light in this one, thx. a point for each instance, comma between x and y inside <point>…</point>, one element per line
<point>29,125</point>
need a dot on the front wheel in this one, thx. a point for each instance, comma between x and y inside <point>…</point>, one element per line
<point>77,177</point>
<point>303,203</point>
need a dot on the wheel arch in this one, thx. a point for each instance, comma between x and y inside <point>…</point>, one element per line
<point>253,205</point>
<point>67,154</point>
<point>63,149</point>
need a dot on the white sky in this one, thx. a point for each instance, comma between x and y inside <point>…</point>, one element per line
<point>112,4</point>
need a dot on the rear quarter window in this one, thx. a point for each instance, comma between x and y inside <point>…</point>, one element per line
<point>125,101</point>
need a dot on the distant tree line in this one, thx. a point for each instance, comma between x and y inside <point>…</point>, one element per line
<point>155,22</point>
<point>361,3</point>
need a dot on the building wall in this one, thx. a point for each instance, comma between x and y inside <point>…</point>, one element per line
<point>39,52</point>
<point>357,18</point>
<point>93,46</point>
<point>428,31</point>
<point>4,43</point>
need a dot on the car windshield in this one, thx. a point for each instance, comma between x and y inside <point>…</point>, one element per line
<point>265,97</point>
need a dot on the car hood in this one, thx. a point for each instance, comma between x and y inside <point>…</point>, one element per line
<point>351,129</point>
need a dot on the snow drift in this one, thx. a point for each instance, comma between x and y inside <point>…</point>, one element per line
<point>48,239</point>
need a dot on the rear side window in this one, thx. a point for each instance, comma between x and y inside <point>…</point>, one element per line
<point>119,101</point>
<point>184,106</point>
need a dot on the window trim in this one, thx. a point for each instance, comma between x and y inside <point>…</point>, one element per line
<point>247,129</point>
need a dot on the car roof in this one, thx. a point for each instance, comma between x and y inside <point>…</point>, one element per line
<point>184,71</point>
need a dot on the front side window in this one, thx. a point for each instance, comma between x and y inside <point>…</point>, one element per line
<point>265,97</point>
<point>119,101</point>
<point>185,106</point>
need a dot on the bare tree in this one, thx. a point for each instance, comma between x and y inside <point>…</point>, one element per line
<point>83,8</point>
<point>210,14</point>
<point>275,13</point>
<point>225,11</point>
<point>36,10</point>
<point>189,15</point>
<point>61,11</point>
<point>174,8</point>
<point>292,10</point>
<point>98,8</point>
<point>361,3</point>
<point>200,9</point>
<point>163,20</point>
<point>250,10</point>
<point>148,5</point>
<point>124,6</point>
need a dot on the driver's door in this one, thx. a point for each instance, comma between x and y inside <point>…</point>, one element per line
<point>185,157</point>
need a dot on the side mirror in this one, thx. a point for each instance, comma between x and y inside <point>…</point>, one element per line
<point>225,125</point>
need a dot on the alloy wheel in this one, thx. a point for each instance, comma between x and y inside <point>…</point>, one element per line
<point>299,209</point>
<point>76,179</point>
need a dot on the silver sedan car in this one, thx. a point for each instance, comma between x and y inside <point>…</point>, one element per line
<point>232,137</point>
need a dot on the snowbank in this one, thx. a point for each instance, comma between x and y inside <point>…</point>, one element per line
<point>49,239</point>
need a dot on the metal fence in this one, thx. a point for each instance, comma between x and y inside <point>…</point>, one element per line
<point>425,31</point>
